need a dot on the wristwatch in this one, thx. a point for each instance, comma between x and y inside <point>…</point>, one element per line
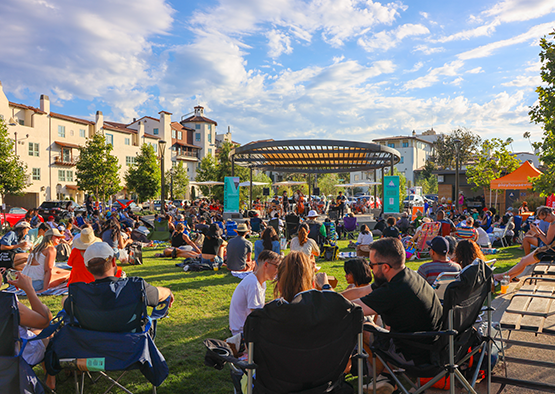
<point>327,286</point>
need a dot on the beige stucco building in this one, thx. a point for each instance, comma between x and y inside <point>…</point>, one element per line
<point>49,144</point>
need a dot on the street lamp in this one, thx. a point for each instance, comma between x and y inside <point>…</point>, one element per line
<point>162,149</point>
<point>457,143</point>
<point>172,173</point>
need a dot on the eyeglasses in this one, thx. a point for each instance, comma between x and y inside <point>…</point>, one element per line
<point>373,264</point>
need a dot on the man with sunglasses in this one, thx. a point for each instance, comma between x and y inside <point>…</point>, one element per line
<point>403,299</point>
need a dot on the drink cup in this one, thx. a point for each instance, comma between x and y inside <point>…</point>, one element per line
<point>504,286</point>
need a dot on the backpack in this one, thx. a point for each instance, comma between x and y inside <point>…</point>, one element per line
<point>135,253</point>
<point>330,253</point>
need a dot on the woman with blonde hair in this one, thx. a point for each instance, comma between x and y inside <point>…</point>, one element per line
<point>40,264</point>
<point>295,274</point>
<point>301,243</point>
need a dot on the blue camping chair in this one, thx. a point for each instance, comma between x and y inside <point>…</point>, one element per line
<point>107,328</point>
<point>16,376</point>
<point>230,227</point>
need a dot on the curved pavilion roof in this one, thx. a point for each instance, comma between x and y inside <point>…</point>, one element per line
<point>314,156</point>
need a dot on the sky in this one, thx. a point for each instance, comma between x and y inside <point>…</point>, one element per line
<point>335,69</point>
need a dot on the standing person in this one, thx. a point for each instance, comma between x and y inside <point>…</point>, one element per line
<point>340,201</point>
<point>250,293</point>
<point>439,248</point>
<point>269,240</point>
<point>239,251</point>
<point>16,243</point>
<point>285,203</point>
<point>90,206</point>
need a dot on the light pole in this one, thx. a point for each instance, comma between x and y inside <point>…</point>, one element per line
<point>457,143</point>
<point>162,148</point>
<point>172,172</point>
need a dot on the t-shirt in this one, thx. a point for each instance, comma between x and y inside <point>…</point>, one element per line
<point>391,232</point>
<point>177,240</point>
<point>249,294</point>
<point>431,270</point>
<point>483,238</point>
<point>238,249</point>
<point>309,248</point>
<point>107,237</point>
<point>407,304</point>
<point>11,239</point>
<point>211,245</point>
<point>365,239</point>
<point>259,247</point>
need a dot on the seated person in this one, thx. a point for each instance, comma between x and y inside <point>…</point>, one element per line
<point>256,223</point>
<point>439,248</point>
<point>466,230</point>
<point>111,234</point>
<point>31,322</point>
<point>268,241</point>
<point>440,218</point>
<point>239,251</point>
<point>214,247</point>
<point>79,272</point>
<point>301,243</point>
<point>364,239</point>
<point>250,293</point>
<point>16,242</point>
<point>466,252</point>
<point>538,235</point>
<point>357,273</point>
<point>201,226</point>
<point>483,238</point>
<point>379,227</point>
<point>35,234</point>
<point>403,300</point>
<point>41,267</point>
<point>138,235</point>
<point>403,224</point>
<point>182,245</point>
<point>418,233</point>
<point>391,230</point>
<point>100,261</point>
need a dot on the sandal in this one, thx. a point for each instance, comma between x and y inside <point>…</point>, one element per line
<point>174,253</point>
<point>515,280</point>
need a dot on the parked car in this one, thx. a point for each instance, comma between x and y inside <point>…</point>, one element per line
<point>179,203</point>
<point>412,200</point>
<point>14,215</point>
<point>58,209</point>
<point>432,197</point>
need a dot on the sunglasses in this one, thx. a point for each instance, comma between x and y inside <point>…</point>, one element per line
<point>376,264</point>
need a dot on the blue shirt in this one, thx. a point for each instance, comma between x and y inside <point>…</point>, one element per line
<point>259,247</point>
<point>11,239</point>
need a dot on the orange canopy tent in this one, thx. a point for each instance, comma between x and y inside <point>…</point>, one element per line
<point>518,179</point>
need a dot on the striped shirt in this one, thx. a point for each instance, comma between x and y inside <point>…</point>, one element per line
<point>430,271</point>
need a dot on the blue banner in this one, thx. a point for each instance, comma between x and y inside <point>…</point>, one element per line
<point>231,194</point>
<point>391,194</point>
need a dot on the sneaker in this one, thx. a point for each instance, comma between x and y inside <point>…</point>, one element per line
<point>384,385</point>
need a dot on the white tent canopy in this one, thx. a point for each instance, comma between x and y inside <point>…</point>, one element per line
<point>289,183</point>
<point>247,183</point>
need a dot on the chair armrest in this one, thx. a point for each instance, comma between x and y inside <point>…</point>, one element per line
<point>161,310</point>
<point>411,335</point>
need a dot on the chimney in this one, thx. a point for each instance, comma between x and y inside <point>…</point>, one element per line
<point>199,111</point>
<point>165,125</point>
<point>141,133</point>
<point>45,103</point>
<point>99,124</point>
<point>413,133</point>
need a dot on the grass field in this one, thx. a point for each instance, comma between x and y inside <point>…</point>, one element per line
<point>201,311</point>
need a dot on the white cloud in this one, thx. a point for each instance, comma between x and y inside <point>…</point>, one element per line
<point>385,40</point>
<point>416,67</point>
<point>524,81</point>
<point>278,43</point>
<point>433,76</point>
<point>426,50</point>
<point>520,10</point>
<point>486,50</point>
<point>476,70</point>
<point>486,30</point>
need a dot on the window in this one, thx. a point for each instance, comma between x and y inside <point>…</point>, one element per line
<point>180,135</point>
<point>173,133</point>
<point>210,137</point>
<point>209,151</point>
<point>110,139</point>
<point>402,160</point>
<point>155,146</point>
<point>197,126</point>
<point>155,131</point>
<point>69,176</point>
<point>33,149</point>
<point>197,137</point>
<point>66,155</point>
<point>82,133</point>
<point>405,144</point>
<point>62,175</point>
<point>391,144</point>
<point>21,122</point>
<point>62,131</point>
<point>36,174</point>
<point>129,160</point>
<point>127,141</point>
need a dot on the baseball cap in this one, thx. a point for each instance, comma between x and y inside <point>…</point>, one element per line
<point>99,250</point>
<point>23,224</point>
<point>439,245</point>
<point>312,214</point>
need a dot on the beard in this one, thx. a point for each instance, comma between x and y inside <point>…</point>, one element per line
<point>379,281</point>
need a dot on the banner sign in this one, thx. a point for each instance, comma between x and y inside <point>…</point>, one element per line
<point>391,194</point>
<point>231,194</point>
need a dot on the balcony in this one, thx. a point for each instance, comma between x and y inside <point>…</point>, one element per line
<point>184,155</point>
<point>68,162</point>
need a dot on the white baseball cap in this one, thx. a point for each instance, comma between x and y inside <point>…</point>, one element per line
<point>98,250</point>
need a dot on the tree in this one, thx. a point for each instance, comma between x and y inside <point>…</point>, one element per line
<point>544,113</point>
<point>445,150</point>
<point>97,170</point>
<point>327,182</point>
<point>180,181</point>
<point>492,161</point>
<point>207,171</point>
<point>13,172</point>
<point>143,177</point>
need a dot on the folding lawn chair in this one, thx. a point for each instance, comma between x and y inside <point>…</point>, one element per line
<point>501,236</point>
<point>428,232</point>
<point>160,231</point>
<point>107,328</point>
<point>454,346</point>
<point>350,225</point>
<point>466,233</point>
<point>291,225</point>
<point>16,376</point>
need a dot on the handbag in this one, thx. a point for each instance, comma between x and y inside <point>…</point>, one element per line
<point>6,258</point>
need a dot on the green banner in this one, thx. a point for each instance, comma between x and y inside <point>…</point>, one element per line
<point>391,194</point>
<point>231,194</point>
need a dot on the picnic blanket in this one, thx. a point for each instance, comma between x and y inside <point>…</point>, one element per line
<point>55,291</point>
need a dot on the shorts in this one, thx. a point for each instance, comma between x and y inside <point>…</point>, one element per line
<point>186,248</point>
<point>216,259</point>
<point>38,285</point>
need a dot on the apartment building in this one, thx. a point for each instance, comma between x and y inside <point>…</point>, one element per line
<point>49,144</point>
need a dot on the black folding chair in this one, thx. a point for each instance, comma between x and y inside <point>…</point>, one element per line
<point>456,344</point>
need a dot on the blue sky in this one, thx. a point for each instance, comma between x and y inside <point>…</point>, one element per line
<point>281,69</point>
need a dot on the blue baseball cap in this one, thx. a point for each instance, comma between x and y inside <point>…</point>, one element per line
<point>439,245</point>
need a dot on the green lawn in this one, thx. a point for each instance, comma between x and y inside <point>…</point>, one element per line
<point>201,311</point>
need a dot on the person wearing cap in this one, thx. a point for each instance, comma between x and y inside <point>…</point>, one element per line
<point>239,251</point>
<point>439,248</point>
<point>41,267</point>
<point>100,260</point>
<point>317,230</point>
<point>16,243</point>
<point>51,222</point>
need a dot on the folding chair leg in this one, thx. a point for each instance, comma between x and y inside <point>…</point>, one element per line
<point>250,356</point>
<point>374,374</point>
<point>359,363</point>
<point>114,383</point>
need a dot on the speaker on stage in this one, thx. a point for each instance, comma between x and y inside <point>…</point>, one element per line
<point>266,191</point>
<point>316,191</point>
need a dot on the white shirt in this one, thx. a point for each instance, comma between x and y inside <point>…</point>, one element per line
<point>365,239</point>
<point>483,238</point>
<point>248,295</point>
<point>309,248</point>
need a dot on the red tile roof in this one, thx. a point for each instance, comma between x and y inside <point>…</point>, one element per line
<point>178,142</point>
<point>71,118</point>
<point>198,119</point>
<point>23,106</point>
<point>179,127</point>
<point>121,127</point>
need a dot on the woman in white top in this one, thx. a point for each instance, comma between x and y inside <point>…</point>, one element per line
<point>301,243</point>
<point>40,264</point>
<point>365,236</point>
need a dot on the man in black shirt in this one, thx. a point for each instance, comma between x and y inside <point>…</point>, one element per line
<point>391,230</point>
<point>405,302</point>
<point>340,200</point>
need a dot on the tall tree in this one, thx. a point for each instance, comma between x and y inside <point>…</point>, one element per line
<point>180,181</point>
<point>207,171</point>
<point>97,170</point>
<point>143,177</point>
<point>445,148</point>
<point>492,160</point>
<point>544,113</point>
<point>13,172</point>
<point>327,182</point>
